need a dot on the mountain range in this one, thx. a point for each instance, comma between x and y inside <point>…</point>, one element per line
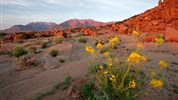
<point>41,26</point>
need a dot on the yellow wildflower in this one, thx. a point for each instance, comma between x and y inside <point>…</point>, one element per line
<point>143,58</point>
<point>114,40</point>
<point>139,46</point>
<point>112,78</point>
<point>135,33</point>
<point>90,49</point>
<point>163,64</point>
<point>156,83</point>
<point>105,72</point>
<point>134,57</point>
<point>153,73</point>
<point>132,84</point>
<point>159,40</point>
<point>109,64</point>
<point>106,53</point>
<point>99,45</point>
<point>101,67</point>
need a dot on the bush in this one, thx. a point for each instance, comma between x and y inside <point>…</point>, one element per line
<point>59,40</point>
<point>121,79</point>
<point>61,59</point>
<point>44,45</point>
<point>82,40</point>
<point>18,51</point>
<point>53,53</point>
<point>25,62</point>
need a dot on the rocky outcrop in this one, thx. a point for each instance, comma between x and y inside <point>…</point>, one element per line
<point>153,20</point>
<point>89,31</point>
<point>171,35</point>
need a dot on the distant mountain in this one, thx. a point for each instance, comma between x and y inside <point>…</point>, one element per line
<point>40,26</point>
<point>80,23</point>
<point>37,26</point>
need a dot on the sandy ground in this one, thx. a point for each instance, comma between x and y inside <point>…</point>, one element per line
<point>22,85</point>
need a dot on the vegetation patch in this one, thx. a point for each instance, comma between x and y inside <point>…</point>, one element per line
<point>83,40</point>
<point>59,40</point>
<point>18,51</point>
<point>53,53</point>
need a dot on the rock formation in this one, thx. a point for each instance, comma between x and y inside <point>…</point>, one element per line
<point>154,20</point>
<point>89,31</point>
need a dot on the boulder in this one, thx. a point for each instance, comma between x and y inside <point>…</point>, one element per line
<point>171,34</point>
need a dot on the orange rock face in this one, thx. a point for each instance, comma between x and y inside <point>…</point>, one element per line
<point>171,35</point>
<point>153,20</point>
<point>88,31</point>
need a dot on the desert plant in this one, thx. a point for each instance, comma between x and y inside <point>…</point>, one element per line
<point>82,40</point>
<point>122,79</point>
<point>18,51</point>
<point>25,62</point>
<point>59,40</point>
<point>53,53</point>
<point>61,59</point>
<point>87,90</point>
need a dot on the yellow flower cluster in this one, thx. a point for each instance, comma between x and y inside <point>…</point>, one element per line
<point>101,67</point>
<point>109,64</point>
<point>153,73</point>
<point>112,78</point>
<point>113,40</point>
<point>139,46</point>
<point>99,45</point>
<point>105,72</point>
<point>135,58</point>
<point>135,33</point>
<point>156,83</point>
<point>159,40</point>
<point>106,53</point>
<point>90,49</point>
<point>163,64</point>
<point>132,84</point>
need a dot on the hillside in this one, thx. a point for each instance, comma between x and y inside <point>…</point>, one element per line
<point>153,20</point>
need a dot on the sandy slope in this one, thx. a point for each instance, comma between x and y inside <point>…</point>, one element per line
<point>23,85</point>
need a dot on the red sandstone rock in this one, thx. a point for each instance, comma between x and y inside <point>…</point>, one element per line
<point>154,20</point>
<point>171,34</point>
<point>149,38</point>
<point>89,31</point>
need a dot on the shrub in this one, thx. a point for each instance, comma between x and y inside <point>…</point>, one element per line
<point>53,53</point>
<point>122,79</point>
<point>25,62</point>
<point>59,40</point>
<point>18,51</point>
<point>82,40</point>
<point>44,45</point>
<point>61,59</point>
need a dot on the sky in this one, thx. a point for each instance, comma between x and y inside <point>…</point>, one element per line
<point>21,12</point>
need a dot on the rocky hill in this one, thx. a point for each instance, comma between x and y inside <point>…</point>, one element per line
<point>154,20</point>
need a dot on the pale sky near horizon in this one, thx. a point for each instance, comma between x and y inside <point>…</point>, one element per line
<point>16,12</point>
